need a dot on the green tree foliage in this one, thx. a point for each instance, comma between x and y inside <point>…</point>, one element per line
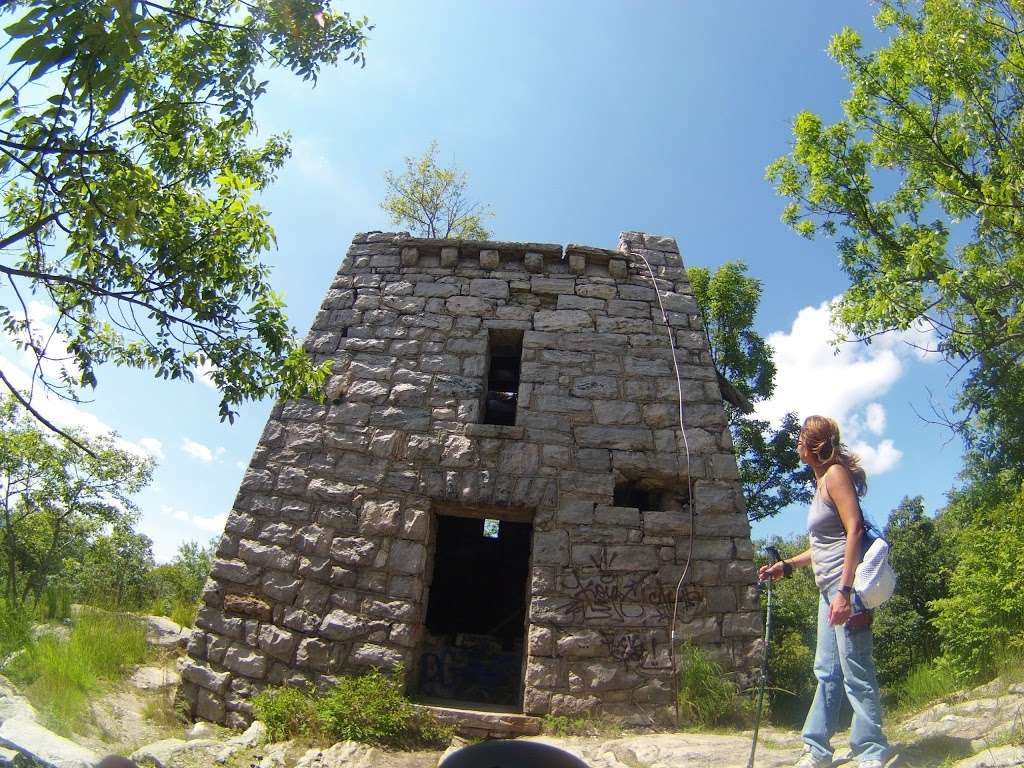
<point>55,499</point>
<point>175,587</point>
<point>128,167</point>
<point>113,570</point>
<point>769,466</point>
<point>905,635</point>
<point>982,618</point>
<point>432,201</point>
<point>917,554</point>
<point>920,181</point>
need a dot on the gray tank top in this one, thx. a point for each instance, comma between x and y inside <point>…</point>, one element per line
<point>828,541</point>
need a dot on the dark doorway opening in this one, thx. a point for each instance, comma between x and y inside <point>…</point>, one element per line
<point>476,612</point>
<point>506,352</point>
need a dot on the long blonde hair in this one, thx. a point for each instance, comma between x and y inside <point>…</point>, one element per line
<point>820,435</point>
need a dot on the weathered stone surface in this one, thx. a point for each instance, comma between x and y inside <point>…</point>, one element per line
<point>176,753</point>
<point>205,677</point>
<point>161,632</point>
<point>247,605</point>
<point>277,642</point>
<point>373,655</point>
<point>153,678</point>
<point>12,703</point>
<point>342,625</point>
<point>246,661</point>
<point>353,550</point>
<point>566,320</point>
<point>270,556</point>
<point>327,556</point>
<point>43,746</point>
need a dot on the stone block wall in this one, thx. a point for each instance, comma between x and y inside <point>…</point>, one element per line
<point>325,563</point>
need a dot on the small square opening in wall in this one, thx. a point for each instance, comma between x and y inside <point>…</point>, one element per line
<point>505,351</point>
<point>646,495</point>
<point>492,528</point>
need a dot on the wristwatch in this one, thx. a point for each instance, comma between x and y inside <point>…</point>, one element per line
<point>846,590</point>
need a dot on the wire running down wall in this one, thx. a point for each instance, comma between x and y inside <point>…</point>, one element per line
<point>331,549</point>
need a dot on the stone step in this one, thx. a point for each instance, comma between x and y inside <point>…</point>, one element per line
<point>485,725</point>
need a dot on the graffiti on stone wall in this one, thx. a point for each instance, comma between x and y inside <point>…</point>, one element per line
<point>598,592</point>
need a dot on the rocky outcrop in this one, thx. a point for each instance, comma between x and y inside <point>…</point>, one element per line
<point>154,678</point>
<point>161,632</point>
<point>977,719</point>
<point>43,746</point>
<point>348,754</point>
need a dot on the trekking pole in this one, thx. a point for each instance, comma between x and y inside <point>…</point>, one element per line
<point>773,557</point>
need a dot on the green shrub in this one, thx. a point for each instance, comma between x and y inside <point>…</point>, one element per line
<point>59,676</point>
<point>706,695</point>
<point>370,709</point>
<point>791,676</point>
<point>287,712</point>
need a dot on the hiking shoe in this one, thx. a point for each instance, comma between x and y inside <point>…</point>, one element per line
<point>808,760</point>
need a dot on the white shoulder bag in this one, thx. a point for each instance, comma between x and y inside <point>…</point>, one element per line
<point>875,580</point>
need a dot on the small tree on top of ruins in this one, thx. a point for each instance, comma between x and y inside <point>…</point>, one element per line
<point>432,200</point>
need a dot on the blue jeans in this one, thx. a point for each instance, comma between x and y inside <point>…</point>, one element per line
<point>843,660</point>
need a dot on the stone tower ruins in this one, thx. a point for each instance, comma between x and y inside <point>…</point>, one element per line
<point>496,494</point>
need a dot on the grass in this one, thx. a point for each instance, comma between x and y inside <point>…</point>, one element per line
<point>60,676</point>
<point>588,725</point>
<point>181,612</point>
<point>15,628</point>
<point>370,709</point>
<point>1010,666</point>
<point>926,683</point>
<point>161,710</point>
<point>707,697</point>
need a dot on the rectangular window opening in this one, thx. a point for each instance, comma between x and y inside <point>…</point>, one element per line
<point>505,350</point>
<point>646,495</point>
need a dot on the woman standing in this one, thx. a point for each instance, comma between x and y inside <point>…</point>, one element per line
<point>843,659</point>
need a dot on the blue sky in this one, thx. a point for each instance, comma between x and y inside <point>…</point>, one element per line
<point>575,121</point>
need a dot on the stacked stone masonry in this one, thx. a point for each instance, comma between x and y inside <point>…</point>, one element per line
<point>324,567</point>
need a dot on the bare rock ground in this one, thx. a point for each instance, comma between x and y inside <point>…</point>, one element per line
<point>982,728</point>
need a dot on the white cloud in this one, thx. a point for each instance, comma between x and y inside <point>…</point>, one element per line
<point>212,524</point>
<point>204,373</point>
<point>67,414</point>
<point>843,381</point>
<point>152,446</point>
<point>877,459</point>
<point>875,418</point>
<point>197,451</point>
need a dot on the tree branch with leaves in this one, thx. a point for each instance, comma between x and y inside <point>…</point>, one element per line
<point>920,184</point>
<point>769,467</point>
<point>128,173</point>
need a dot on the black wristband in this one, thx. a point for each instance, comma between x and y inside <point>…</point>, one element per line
<point>787,569</point>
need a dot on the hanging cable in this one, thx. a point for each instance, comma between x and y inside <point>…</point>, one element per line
<point>689,490</point>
